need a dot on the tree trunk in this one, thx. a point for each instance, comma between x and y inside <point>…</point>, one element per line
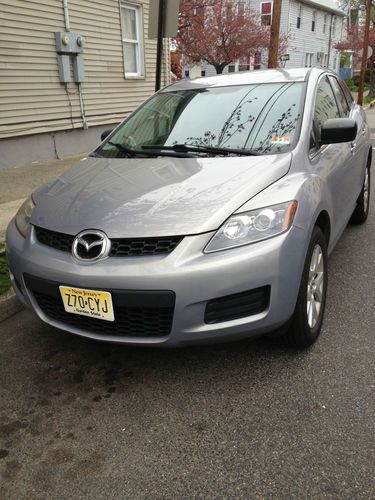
<point>371,90</point>
<point>219,68</point>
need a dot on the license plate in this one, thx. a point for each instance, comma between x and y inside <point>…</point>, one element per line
<point>91,303</point>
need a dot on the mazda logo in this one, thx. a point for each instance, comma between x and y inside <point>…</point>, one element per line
<point>91,245</point>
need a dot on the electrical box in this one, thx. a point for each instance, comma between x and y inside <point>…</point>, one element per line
<point>68,42</point>
<point>78,69</point>
<point>63,62</point>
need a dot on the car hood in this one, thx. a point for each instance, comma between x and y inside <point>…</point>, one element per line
<point>154,196</point>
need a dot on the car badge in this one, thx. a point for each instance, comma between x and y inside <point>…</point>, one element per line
<point>91,245</point>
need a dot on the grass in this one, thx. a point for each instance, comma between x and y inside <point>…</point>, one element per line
<point>367,99</point>
<point>4,275</point>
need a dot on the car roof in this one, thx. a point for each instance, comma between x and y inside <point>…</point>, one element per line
<point>279,75</point>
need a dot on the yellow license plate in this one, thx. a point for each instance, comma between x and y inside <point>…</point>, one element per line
<point>91,303</point>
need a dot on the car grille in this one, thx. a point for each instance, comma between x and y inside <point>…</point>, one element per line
<point>121,247</point>
<point>137,313</point>
<point>238,305</point>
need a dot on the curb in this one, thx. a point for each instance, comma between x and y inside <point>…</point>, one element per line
<point>9,305</point>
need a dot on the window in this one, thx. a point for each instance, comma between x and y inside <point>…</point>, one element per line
<point>257,60</point>
<point>347,92</point>
<point>299,17</point>
<point>132,39</point>
<point>266,13</point>
<point>230,9</point>
<point>354,17</point>
<point>244,63</point>
<point>241,9</point>
<point>309,60</point>
<point>231,68</point>
<point>325,64</point>
<point>320,58</point>
<point>325,108</point>
<point>313,22</point>
<point>325,23</point>
<point>334,25</point>
<point>340,97</point>
<point>325,103</point>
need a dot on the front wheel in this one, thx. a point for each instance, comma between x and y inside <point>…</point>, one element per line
<point>307,320</point>
<point>361,210</point>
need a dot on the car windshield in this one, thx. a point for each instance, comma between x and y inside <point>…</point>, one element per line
<point>262,118</point>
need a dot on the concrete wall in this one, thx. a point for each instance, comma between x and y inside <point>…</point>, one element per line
<point>24,150</point>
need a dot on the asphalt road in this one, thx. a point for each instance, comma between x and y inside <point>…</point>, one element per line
<point>252,420</point>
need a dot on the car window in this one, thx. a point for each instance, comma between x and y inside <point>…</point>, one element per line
<point>340,97</point>
<point>325,104</point>
<point>347,93</point>
<point>325,108</point>
<point>264,118</point>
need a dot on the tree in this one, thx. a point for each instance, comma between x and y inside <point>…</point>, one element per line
<point>354,42</point>
<point>176,67</point>
<point>219,31</point>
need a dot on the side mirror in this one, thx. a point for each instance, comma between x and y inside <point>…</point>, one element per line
<point>105,133</point>
<point>337,130</point>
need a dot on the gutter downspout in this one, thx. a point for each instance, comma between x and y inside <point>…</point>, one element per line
<point>66,15</point>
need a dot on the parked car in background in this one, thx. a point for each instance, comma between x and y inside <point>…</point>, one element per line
<point>207,215</point>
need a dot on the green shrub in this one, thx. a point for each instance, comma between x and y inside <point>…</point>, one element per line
<point>356,79</point>
<point>352,85</point>
<point>4,275</point>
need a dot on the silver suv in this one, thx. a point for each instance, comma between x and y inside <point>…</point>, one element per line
<point>207,215</point>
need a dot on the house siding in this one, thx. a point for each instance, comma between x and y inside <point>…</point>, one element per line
<point>304,41</point>
<point>32,99</point>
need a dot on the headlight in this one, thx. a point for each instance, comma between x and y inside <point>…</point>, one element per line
<point>23,216</point>
<point>256,225</point>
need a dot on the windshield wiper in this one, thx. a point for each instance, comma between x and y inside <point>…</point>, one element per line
<point>184,148</point>
<point>150,151</point>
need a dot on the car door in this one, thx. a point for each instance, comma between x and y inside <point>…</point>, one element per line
<point>332,162</point>
<point>358,146</point>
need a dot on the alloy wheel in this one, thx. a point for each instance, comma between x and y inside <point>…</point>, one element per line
<point>366,190</point>
<point>315,286</point>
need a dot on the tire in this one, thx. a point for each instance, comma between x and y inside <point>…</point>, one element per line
<point>305,326</point>
<point>361,210</point>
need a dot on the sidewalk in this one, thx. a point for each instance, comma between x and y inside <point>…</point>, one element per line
<point>370,113</point>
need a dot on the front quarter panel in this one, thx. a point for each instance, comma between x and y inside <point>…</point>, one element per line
<point>308,189</point>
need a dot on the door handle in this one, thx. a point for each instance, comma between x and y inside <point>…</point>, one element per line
<point>353,147</point>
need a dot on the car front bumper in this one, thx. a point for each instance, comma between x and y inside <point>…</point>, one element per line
<point>194,277</point>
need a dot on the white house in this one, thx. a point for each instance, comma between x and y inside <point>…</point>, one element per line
<point>312,27</point>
